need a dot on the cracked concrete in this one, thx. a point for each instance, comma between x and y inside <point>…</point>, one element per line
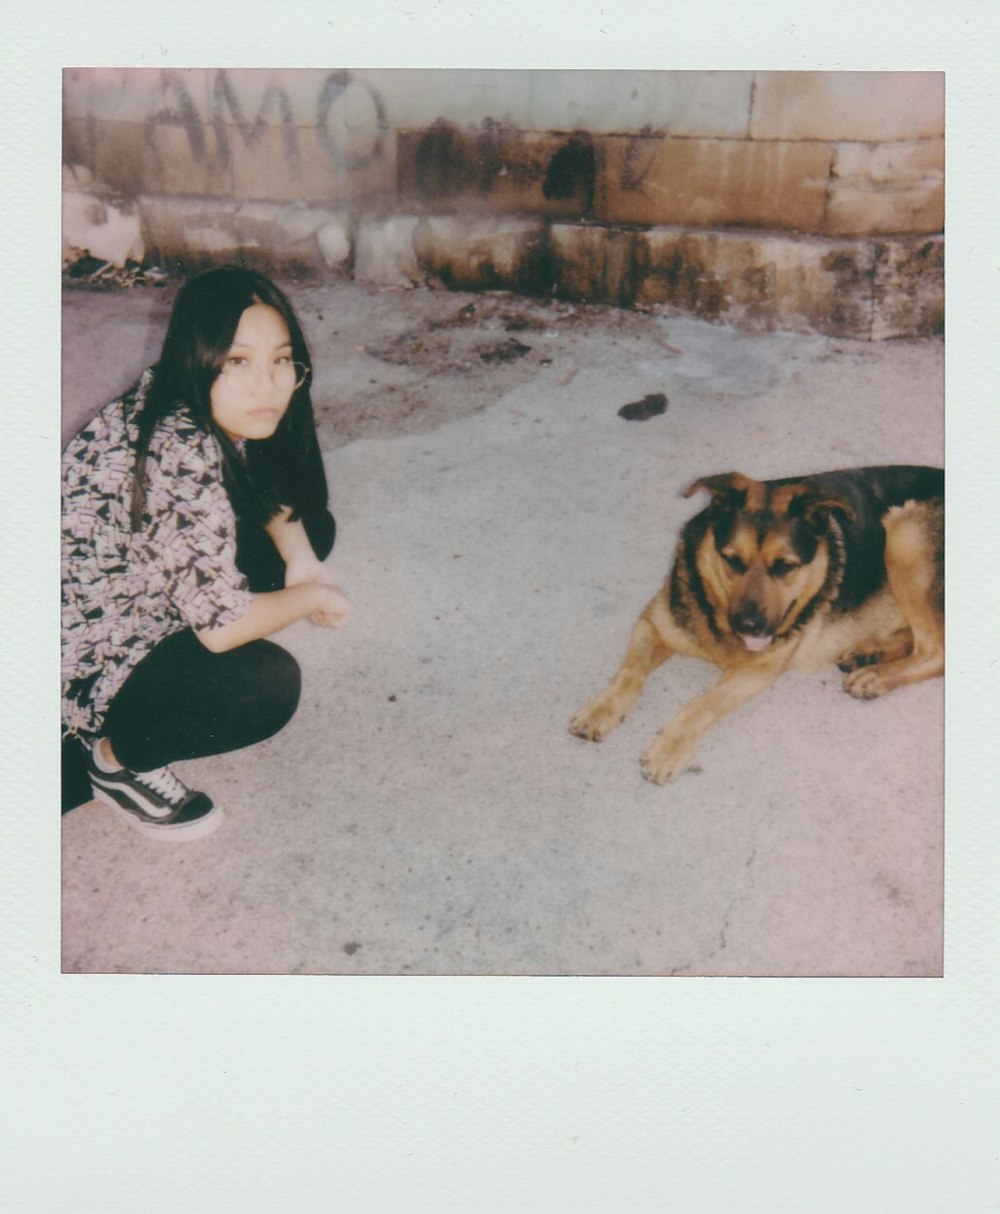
<point>427,811</point>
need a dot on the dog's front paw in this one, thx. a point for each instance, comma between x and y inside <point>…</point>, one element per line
<point>669,755</point>
<point>598,719</point>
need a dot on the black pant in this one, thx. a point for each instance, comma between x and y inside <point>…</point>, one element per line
<point>184,702</point>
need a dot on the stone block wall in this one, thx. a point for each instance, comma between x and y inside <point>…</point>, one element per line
<point>769,199</point>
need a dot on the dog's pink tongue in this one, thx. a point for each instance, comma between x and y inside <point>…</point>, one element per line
<point>756,643</point>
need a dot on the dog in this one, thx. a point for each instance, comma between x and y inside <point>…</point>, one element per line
<point>793,574</point>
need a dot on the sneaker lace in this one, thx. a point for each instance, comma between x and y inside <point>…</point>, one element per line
<point>163,782</point>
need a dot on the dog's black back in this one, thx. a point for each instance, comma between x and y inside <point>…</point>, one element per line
<point>870,492</point>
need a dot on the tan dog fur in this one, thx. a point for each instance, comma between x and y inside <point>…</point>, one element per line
<point>892,638</point>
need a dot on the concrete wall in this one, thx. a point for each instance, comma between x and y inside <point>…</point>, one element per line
<point>772,199</point>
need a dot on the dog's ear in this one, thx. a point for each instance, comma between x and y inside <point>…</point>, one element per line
<point>814,505</point>
<point>727,489</point>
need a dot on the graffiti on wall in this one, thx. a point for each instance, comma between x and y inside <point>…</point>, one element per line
<point>344,122</point>
<point>172,105</point>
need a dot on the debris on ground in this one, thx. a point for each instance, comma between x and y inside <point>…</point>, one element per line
<point>515,322</point>
<point>674,350</point>
<point>651,405</point>
<point>505,351</point>
<point>85,270</point>
<point>465,315</point>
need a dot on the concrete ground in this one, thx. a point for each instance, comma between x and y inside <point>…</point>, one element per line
<point>501,526</point>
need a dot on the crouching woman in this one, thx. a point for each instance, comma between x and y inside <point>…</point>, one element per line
<point>195,524</point>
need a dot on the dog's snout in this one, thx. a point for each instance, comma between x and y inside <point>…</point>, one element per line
<point>750,620</point>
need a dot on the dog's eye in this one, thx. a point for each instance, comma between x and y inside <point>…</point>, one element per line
<point>734,562</point>
<point>780,568</point>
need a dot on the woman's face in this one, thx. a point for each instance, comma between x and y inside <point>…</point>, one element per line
<point>253,390</point>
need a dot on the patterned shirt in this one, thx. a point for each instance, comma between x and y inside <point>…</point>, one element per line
<point>123,592</point>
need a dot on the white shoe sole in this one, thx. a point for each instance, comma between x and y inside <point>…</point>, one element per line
<point>184,832</point>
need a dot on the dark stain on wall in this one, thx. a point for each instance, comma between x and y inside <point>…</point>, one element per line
<point>498,168</point>
<point>691,286</point>
<point>472,268</point>
<point>852,275</point>
<point>490,161</point>
<point>538,271</point>
<point>637,160</point>
<point>626,266</point>
<point>906,290</point>
<point>571,172</point>
<point>441,165</point>
<point>448,162</point>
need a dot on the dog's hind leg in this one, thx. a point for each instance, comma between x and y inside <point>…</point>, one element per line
<point>645,652</point>
<point>914,567</point>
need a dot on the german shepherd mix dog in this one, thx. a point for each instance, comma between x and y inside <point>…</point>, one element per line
<point>844,567</point>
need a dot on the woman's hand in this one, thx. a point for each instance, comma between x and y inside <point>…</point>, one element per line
<point>335,609</point>
<point>308,571</point>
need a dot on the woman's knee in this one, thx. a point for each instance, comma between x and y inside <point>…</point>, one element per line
<point>276,686</point>
<point>183,702</point>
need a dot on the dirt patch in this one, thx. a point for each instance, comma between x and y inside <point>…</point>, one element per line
<point>467,337</point>
<point>406,362</point>
<point>448,353</point>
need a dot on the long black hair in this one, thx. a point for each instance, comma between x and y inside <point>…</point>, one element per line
<point>283,470</point>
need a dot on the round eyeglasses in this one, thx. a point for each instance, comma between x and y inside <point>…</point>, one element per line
<point>241,375</point>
